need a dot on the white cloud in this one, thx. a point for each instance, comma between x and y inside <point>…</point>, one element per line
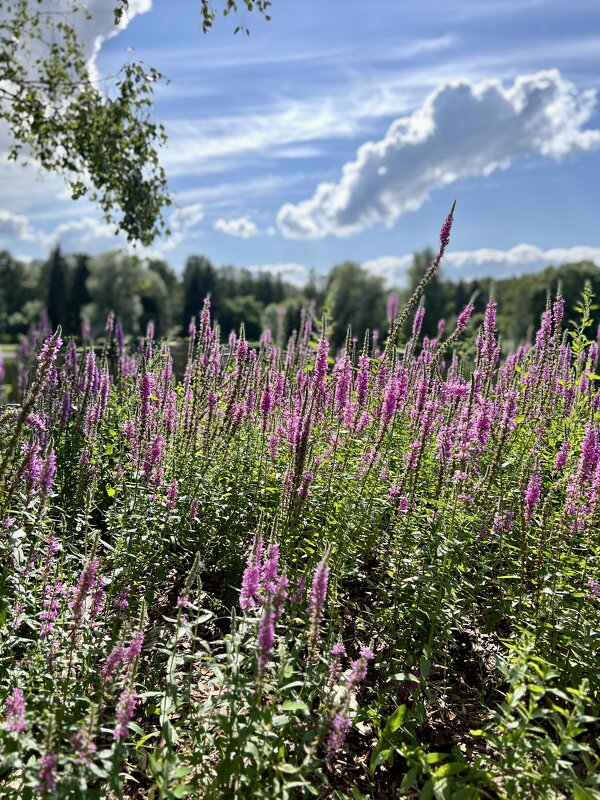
<point>187,217</point>
<point>463,129</point>
<point>487,262</point>
<point>391,268</point>
<point>87,233</point>
<point>242,227</point>
<point>290,272</point>
<point>101,26</point>
<point>16,226</point>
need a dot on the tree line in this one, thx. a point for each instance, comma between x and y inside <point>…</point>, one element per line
<point>71,289</point>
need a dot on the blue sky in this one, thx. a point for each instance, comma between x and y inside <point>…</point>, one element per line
<point>344,130</point>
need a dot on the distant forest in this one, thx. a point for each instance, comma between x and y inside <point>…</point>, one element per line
<point>74,288</point>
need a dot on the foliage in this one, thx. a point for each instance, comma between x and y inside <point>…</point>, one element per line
<point>363,573</point>
<point>103,142</point>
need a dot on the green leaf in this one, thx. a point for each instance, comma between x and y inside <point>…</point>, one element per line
<point>396,720</point>
<point>295,705</point>
<point>453,768</point>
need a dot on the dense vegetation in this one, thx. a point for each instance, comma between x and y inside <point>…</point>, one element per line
<point>301,572</point>
<point>77,292</point>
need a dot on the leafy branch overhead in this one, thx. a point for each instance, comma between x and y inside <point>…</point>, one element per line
<point>208,13</point>
<point>99,136</point>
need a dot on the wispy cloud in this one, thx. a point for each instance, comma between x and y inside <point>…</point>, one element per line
<point>463,130</point>
<point>187,217</point>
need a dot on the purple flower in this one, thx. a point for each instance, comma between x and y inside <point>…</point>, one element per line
<point>172,494</point>
<point>83,747</point>
<point>393,303</point>
<point>266,637</point>
<point>15,711</point>
<point>83,588</point>
<point>446,230</point>
<point>337,733</point>
<point>338,651</point>
<point>358,671</point>
<point>131,653</point>
<point>47,773</point>
<point>561,456</point>
<point>316,607</point>
<point>270,568</point>
<point>97,603</point>
<point>47,473</point>
<point>251,577</point>
<point>594,588</point>
<point>49,350</point>
<point>532,495</point>
<point>112,664</point>
<point>125,708</point>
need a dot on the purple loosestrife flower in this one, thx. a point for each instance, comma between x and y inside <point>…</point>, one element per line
<point>125,709</point>
<point>112,664</point>
<point>561,456</point>
<point>98,596</point>
<point>145,392</point>
<point>172,495</point>
<point>337,733</point>
<point>83,588</point>
<point>151,470</point>
<point>119,339</point>
<point>362,380</point>
<point>342,387</point>
<point>15,712</point>
<point>338,651</point>
<point>47,473</point>
<point>270,569</point>
<point>464,317</point>
<point>47,773</point>
<point>266,404</point>
<point>251,577</point>
<point>418,322</point>
<point>133,651</point>
<point>49,350</point>
<point>358,671</point>
<point>316,607</point>
<point>594,589</point>
<point>280,595</point>
<point>65,413</point>
<point>83,747</point>
<point>266,637</point>
<point>392,306</point>
<point>49,615</point>
<point>532,495</point>
<point>446,230</point>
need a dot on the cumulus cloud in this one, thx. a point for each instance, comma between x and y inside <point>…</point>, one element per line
<point>241,227</point>
<point>290,272</point>
<point>463,129</point>
<point>16,226</point>
<point>100,26</point>
<point>487,262</point>
<point>87,233</point>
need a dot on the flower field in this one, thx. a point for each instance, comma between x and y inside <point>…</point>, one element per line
<point>300,573</point>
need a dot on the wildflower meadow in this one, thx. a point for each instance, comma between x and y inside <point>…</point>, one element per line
<point>297,572</point>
